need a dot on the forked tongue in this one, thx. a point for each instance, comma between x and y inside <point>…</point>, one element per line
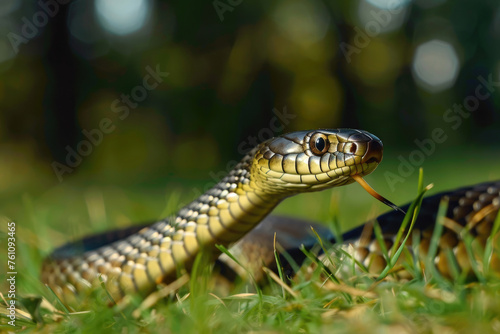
<point>375,194</point>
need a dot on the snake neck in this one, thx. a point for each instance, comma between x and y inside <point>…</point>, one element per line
<point>228,210</point>
<point>154,254</point>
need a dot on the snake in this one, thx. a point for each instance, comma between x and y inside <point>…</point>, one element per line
<point>236,212</point>
<point>283,166</point>
<point>469,218</point>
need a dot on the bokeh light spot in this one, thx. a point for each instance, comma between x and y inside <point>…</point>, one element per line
<point>383,16</point>
<point>389,4</point>
<point>122,17</point>
<point>435,65</point>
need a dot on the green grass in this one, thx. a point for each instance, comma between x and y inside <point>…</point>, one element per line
<point>338,296</point>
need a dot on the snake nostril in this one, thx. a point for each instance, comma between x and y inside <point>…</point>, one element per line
<point>373,152</point>
<point>353,148</point>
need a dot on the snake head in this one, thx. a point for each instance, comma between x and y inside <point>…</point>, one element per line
<point>315,160</point>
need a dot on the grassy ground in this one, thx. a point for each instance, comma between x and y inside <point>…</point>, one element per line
<point>49,216</point>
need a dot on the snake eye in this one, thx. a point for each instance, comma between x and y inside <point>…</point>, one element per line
<point>319,144</point>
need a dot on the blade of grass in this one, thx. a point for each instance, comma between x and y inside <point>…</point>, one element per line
<point>354,261</point>
<point>420,189</point>
<point>474,264</point>
<point>325,251</point>
<point>224,250</point>
<point>59,301</point>
<point>333,221</point>
<point>380,240</point>
<point>489,247</point>
<point>325,269</point>
<point>290,260</point>
<point>453,264</point>
<point>411,214</point>
<point>420,186</point>
<point>419,274</point>
<point>436,235</point>
<point>278,264</point>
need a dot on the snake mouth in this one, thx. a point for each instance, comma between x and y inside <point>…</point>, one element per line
<point>371,165</point>
<point>372,158</point>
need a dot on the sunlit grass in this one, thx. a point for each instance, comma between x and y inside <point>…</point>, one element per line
<point>339,295</point>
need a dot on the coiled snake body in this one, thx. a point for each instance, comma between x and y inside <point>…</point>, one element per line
<point>469,218</point>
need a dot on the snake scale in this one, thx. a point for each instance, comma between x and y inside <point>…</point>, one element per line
<point>471,211</point>
<point>138,258</point>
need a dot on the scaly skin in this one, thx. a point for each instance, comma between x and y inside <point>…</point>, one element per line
<point>297,162</point>
<point>471,213</point>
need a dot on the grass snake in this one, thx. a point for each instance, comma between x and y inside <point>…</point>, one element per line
<point>280,167</point>
<point>138,258</point>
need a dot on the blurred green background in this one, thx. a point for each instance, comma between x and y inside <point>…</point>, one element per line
<point>400,69</point>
